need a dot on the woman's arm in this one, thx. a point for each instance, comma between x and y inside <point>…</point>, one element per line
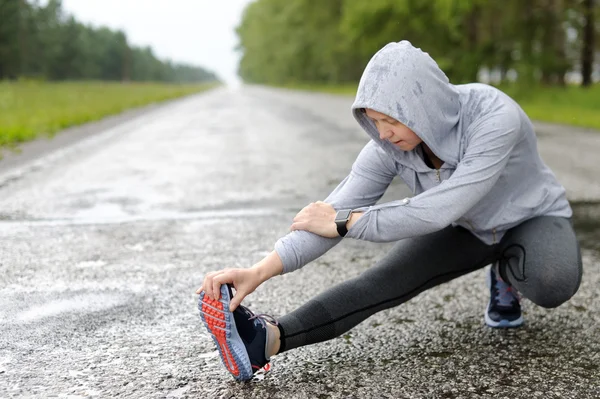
<point>491,142</point>
<point>370,176</point>
<point>368,180</point>
<point>245,281</point>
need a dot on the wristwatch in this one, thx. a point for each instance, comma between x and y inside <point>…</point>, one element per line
<point>341,218</point>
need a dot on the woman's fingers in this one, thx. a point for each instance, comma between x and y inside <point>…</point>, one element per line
<point>236,300</point>
<point>216,289</point>
<point>217,282</point>
<point>245,282</point>
<point>211,288</point>
<point>300,216</point>
<point>304,212</point>
<point>208,283</point>
<point>299,226</point>
<point>227,277</point>
<point>216,286</point>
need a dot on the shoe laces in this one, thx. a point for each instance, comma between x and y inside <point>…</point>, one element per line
<point>505,293</point>
<point>262,318</point>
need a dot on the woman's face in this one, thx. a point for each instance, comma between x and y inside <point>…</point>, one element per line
<point>393,131</point>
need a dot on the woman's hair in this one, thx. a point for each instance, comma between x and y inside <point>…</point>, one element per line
<point>363,110</point>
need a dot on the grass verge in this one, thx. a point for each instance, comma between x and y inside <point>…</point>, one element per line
<point>31,109</point>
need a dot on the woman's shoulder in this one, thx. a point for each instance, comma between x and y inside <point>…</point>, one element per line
<point>480,102</point>
<point>478,97</point>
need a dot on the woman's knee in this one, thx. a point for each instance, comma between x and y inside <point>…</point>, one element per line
<point>551,299</point>
<point>542,259</point>
<point>550,290</point>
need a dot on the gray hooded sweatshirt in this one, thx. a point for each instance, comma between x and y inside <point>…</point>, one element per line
<point>492,177</point>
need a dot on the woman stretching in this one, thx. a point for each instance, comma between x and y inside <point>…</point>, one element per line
<point>482,195</point>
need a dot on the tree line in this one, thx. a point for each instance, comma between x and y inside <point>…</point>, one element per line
<point>314,41</point>
<point>44,42</point>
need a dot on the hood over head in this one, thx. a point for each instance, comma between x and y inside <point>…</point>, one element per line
<point>405,83</point>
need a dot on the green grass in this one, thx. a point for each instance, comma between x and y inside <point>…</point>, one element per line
<point>31,109</point>
<point>570,106</point>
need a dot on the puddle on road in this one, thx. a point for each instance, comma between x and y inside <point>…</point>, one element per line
<point>107,215</point>
<point>80,304</point>
<point>101,211</point>
<point>586,219</point>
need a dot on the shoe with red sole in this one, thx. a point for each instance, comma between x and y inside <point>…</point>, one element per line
<point>240,336</point>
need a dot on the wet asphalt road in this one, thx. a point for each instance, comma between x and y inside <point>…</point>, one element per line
<point>102,246</point>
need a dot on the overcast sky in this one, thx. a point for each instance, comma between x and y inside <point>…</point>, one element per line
<point>198,32</point>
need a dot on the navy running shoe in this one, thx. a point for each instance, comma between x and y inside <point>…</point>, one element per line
<point>504,309</point>
<point>240,336</point>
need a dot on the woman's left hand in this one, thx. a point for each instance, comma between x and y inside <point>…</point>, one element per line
<point>317,217</point>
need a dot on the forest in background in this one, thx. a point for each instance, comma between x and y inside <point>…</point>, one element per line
<point>547,42</point>
<point>42,42</point>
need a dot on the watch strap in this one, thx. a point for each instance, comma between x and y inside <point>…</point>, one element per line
<point>341,228</point>
<point>340,222</point>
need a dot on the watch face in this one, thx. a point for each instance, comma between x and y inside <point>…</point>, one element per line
<point>343,214</point>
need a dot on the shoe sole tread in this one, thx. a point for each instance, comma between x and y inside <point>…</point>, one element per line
<point>221,326</point>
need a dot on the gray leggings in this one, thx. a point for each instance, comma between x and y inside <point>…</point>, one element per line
<point>540,257</point>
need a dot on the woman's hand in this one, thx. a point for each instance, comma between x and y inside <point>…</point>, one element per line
<point>244,281</point>
<point>317,217</point>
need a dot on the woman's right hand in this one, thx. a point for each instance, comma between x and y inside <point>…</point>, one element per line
<point>244,281</point>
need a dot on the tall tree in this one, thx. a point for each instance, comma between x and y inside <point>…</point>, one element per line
<point>38,39</point>
<point>315,42</point>
<point>589,35</point>
<point>11,33</point>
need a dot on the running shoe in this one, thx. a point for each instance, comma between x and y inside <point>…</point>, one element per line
<point>504,308</point>
<point>240,336</point>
